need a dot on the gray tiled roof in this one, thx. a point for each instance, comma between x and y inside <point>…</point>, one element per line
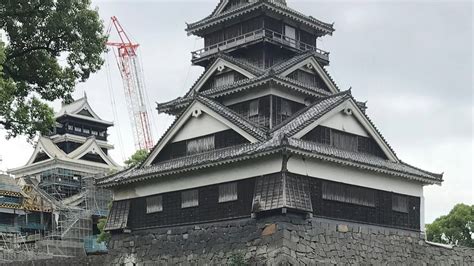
<point>197,161</point>
<point>118,216</point>
<point>362,160</point>
<point>311,113</point>
<point>270,5</point>
<point>242,85</point>
<point>281,190</point>
<point>273,145</point>
<point>256,131</point>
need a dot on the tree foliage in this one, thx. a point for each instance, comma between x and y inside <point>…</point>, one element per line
<point>50,46</point>
<point>456,228</point>
<point>137,158</point>
<point>103,236</point>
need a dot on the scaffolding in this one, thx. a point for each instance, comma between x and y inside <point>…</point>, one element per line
<point>76,217</point>
<point>77,204</point>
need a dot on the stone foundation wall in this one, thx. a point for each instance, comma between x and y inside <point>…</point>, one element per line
<point>279,240</point>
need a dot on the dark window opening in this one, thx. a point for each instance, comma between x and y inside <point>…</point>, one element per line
<point>228,192</point>
<point>154,204</point>
<point>344,141</point>
<point>256,111</point>
<point>190,198</point>
<point>309,79</point>
<point>93,158</point>
<point>200,145</point>
<point>41,156</point>
<point>223,79</point>
<point>399,203</point>
<point>283,109</point>
<point>85,112</point>
<point>219,140</point>
<point>348,194</point>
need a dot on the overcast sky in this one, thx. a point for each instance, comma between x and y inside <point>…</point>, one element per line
<point>412,61</point>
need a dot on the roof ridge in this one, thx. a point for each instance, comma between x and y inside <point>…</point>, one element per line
<point>323,26</point>
<point>284,65</point>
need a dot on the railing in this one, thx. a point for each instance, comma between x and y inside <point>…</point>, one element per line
<point>6,228</point>
<point>32,226</point>
<point>255,35</point>
<point>241,39</point>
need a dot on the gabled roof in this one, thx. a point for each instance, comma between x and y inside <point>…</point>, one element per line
<point>276,74</point>
<point>45,145</point>
<point>74,110</point>
<point>218,16</point>
<point>305,120</point>
<point>247,129</point>
<point>287,67</point>
<point>223,60</point>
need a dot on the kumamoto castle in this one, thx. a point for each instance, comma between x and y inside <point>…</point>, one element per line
<point>268,161</point>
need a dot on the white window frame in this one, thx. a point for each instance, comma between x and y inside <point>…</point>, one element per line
<point>228,192</point>
<point>189,198</point>
<point>154,204</point>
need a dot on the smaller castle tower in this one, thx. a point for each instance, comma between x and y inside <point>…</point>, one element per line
<point>76,148</point>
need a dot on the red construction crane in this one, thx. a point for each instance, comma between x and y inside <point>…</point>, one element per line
<point>133,84</point>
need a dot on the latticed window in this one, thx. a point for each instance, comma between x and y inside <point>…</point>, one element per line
<point>200,145</point>
<point>399,203</point>
<point>154,204</point>
<point>348,194</point>
<point>253,108</point>
<point>224,79</point>
<point>227,192</point>
<point>343,140</point>
<point>285,108</point>
<point>189,198</point>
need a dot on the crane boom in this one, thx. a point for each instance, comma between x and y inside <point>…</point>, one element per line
<point>133,84</point>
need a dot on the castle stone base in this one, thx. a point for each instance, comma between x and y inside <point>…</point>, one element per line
<point>279,240</point>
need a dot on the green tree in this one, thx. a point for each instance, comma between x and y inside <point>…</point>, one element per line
<point>50,46</point>
<point>456,228</point>
<point>137,158</point>
<point>103,236</point>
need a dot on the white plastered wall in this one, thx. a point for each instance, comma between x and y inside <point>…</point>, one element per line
<point>200,178</point>
<point>353,176</point>
<point>346,123</point>
<point>199,126</point>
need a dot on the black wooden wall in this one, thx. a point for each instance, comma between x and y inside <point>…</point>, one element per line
<point>381,214</point>
<point>210,210</point>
